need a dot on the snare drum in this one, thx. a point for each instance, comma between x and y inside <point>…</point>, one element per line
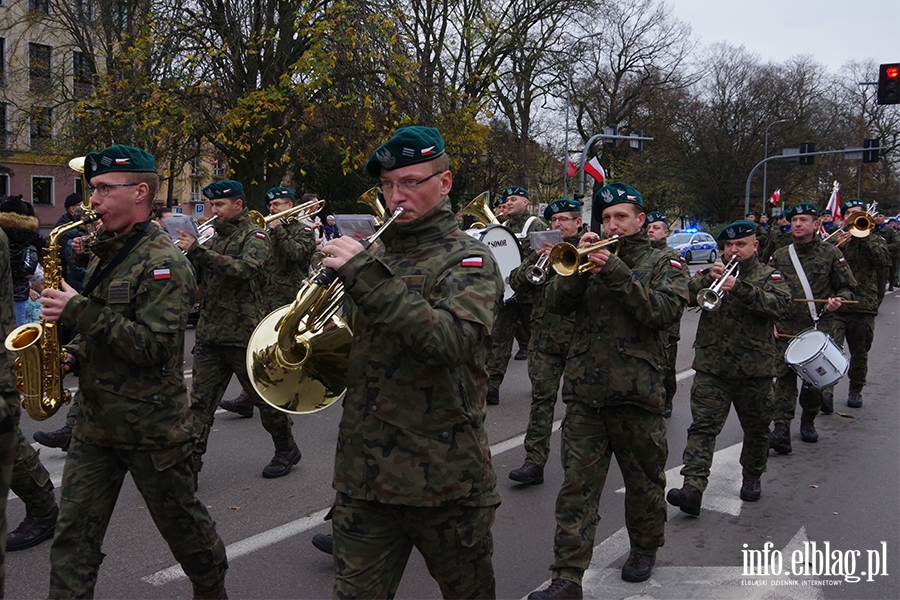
<point>816,358</point>
<point>505,247</point>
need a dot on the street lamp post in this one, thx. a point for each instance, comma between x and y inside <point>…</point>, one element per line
<point>568,101</point>
<point>765,165</point>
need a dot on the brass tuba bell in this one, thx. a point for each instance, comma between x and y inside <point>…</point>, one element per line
<point>481,210</point>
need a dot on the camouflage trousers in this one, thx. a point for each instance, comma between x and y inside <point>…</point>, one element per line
<point>711,400</point>
<point>859,331</point>
<point>545,371</point>
<point>590,436</point>
<point>30,480</point>
<point>213,367</point>
<point>509,318</point>
<point>669,381</point>
<point>92,478</point>
<point>373,541</point>
<point>9,435</point>
<point>785,402</point>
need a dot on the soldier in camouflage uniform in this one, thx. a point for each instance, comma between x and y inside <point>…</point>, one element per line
<point>613,390</point>
<point>133,417</point>
<point>735,360</point>
<point>412,465</point>
<point>515,313</point>
<point>551,335</point>
<point>778,237</point>
<point>829,277</point>
<point>892,242</point>
<point>31,483</point>
<point>229,268</point>
<point>869,259</point>
<point>291,245</point>
<point>658,231</point>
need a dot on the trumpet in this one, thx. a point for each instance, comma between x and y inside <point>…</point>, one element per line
<point>567,259</point>
<point>307,209</point>
<point>537,273</point>
<point>711,298</point>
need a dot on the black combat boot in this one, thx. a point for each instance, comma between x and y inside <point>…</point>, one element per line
<point>638,566</point>
<point>780,438</point>
<point>529,473</point>
<point>521,354</point>
<point>827,407</point>
<point>808,431</point>
<point>750,489</point>
<point>687,498</point>
<point>854,400</point>
<point>493,396</point>
<point>240,405</point>
<point>54,439</point>
<point>558,588</point>
<point>32,531</point>
<point>281,463</point>
<point>667,411</point>
<point>323,542</point>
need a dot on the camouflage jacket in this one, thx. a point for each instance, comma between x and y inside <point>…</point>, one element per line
<point>737,341</point>
<point>7,323</point>
<point>622,316</point>
<point>550,333</point>
<point>869,260</point>
<point>828,274</point>
<point>673,254</point>
<point>891,239</point>
<point>229,271</point>
<point>412,430</point>
<point>777,238</point>
<point>291,245</point>
<point>130,346</point>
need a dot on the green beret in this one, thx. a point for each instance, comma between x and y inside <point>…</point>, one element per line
<point>879,212</point>
<point>752,212</point>
<point>852,203</point>
<point>279,192</point>
<point>826,212</point>
<point>615,193</point>
<point>408,146</point>
<point>118,159</point>
<point>804,208</point>
<point>513,190</point>
<point>737,230</point>
<point>227,188</point>
<point>561,206</point>
<point>656,216</point>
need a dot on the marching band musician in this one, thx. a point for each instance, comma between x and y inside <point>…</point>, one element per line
<point>229,268</point>
<point>412,464</point>
<point>551,335</point>
<point>869,259</point>
<point>514,317</point>
<point>829,277</point>
<point>658,231</point>
<point>613,390</point>
<point>735,363</point>
<point>133,414</point>
<point>892,241</point>
<point>778,237</point>
<point>291,245</point>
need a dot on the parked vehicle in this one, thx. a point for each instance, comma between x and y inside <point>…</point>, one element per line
<point>694,246</point>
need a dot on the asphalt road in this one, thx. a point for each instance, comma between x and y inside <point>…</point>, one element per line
<point>842,491</point>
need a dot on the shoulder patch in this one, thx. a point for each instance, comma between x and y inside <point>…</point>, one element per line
<point>842,260</point>
<point>776,276</point>
<point>161,274</point>
<point>676,263</point>
<point>472,261</point>
<point>260,235</point>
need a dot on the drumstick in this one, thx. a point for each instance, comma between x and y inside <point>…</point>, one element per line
<point>824,300</point>
<point>787,337</point>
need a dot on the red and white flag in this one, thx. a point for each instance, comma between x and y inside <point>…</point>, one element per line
<point>571,169</point>
<point>834,205</point>
<point>595,170</point>
<point>776,197</point>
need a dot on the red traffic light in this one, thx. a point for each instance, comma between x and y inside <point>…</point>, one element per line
<point>892,72</point>
<point>888,84</point>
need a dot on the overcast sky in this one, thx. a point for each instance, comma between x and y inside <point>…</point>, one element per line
<point>832,31</point>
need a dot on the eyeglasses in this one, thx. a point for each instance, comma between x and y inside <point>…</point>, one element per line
<point>407,185</point>
<point>562,219</point>
<point>103,188</point>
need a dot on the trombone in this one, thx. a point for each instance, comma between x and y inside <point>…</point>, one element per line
<point>711,298</point>
<point>859,226</point>
<point>307,209</point>
<point>567,259</point>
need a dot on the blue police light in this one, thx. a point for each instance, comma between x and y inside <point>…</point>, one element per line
<point>691,230</point>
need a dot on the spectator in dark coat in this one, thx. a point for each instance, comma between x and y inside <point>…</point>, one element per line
<point>23,230</point>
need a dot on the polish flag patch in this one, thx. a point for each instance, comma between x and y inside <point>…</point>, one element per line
<point>122,161</point>
<point>675,263</point>
<point>777,276</point>
<point>161,274</point>
<point>427,151</point>
<point>842,260</point>
<point>472,261</point>
<point>260,235</point>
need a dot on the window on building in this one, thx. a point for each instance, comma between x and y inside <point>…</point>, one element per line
<point>81,74</point>
<point>84,8</point>
<point>4,185</point>
<point>4,126</point>
<point>42,190</point>
<point>39,57</point>
<point>40,6</point>
<point>41,126</point>
<point>196,194</point>
<point>2,62</point>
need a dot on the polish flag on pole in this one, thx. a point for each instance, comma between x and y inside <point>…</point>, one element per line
<point>834,205</point>
<point>571,169</point>
<point>595,170</point>
<point>776,197</point>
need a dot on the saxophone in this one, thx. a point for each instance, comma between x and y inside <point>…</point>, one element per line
<point>38,367</point>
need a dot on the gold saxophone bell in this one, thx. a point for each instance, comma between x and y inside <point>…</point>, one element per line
<point>479,209</point>
<point>567,259</point>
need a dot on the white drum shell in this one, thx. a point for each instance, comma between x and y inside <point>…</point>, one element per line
<point>505,247</point>
<point>816,358</point>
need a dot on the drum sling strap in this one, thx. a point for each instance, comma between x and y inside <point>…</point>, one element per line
<point>803,282</point>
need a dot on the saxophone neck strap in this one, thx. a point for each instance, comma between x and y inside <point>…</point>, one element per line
<point>126,248</point>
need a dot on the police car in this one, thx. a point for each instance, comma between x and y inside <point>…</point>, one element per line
<point>694,245</point>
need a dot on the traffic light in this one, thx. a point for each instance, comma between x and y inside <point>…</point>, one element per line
<point>889,84</point>
<point>807,148</point>
<point>637,145</point>
<point>610,130</point>
<point>871,156</point>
